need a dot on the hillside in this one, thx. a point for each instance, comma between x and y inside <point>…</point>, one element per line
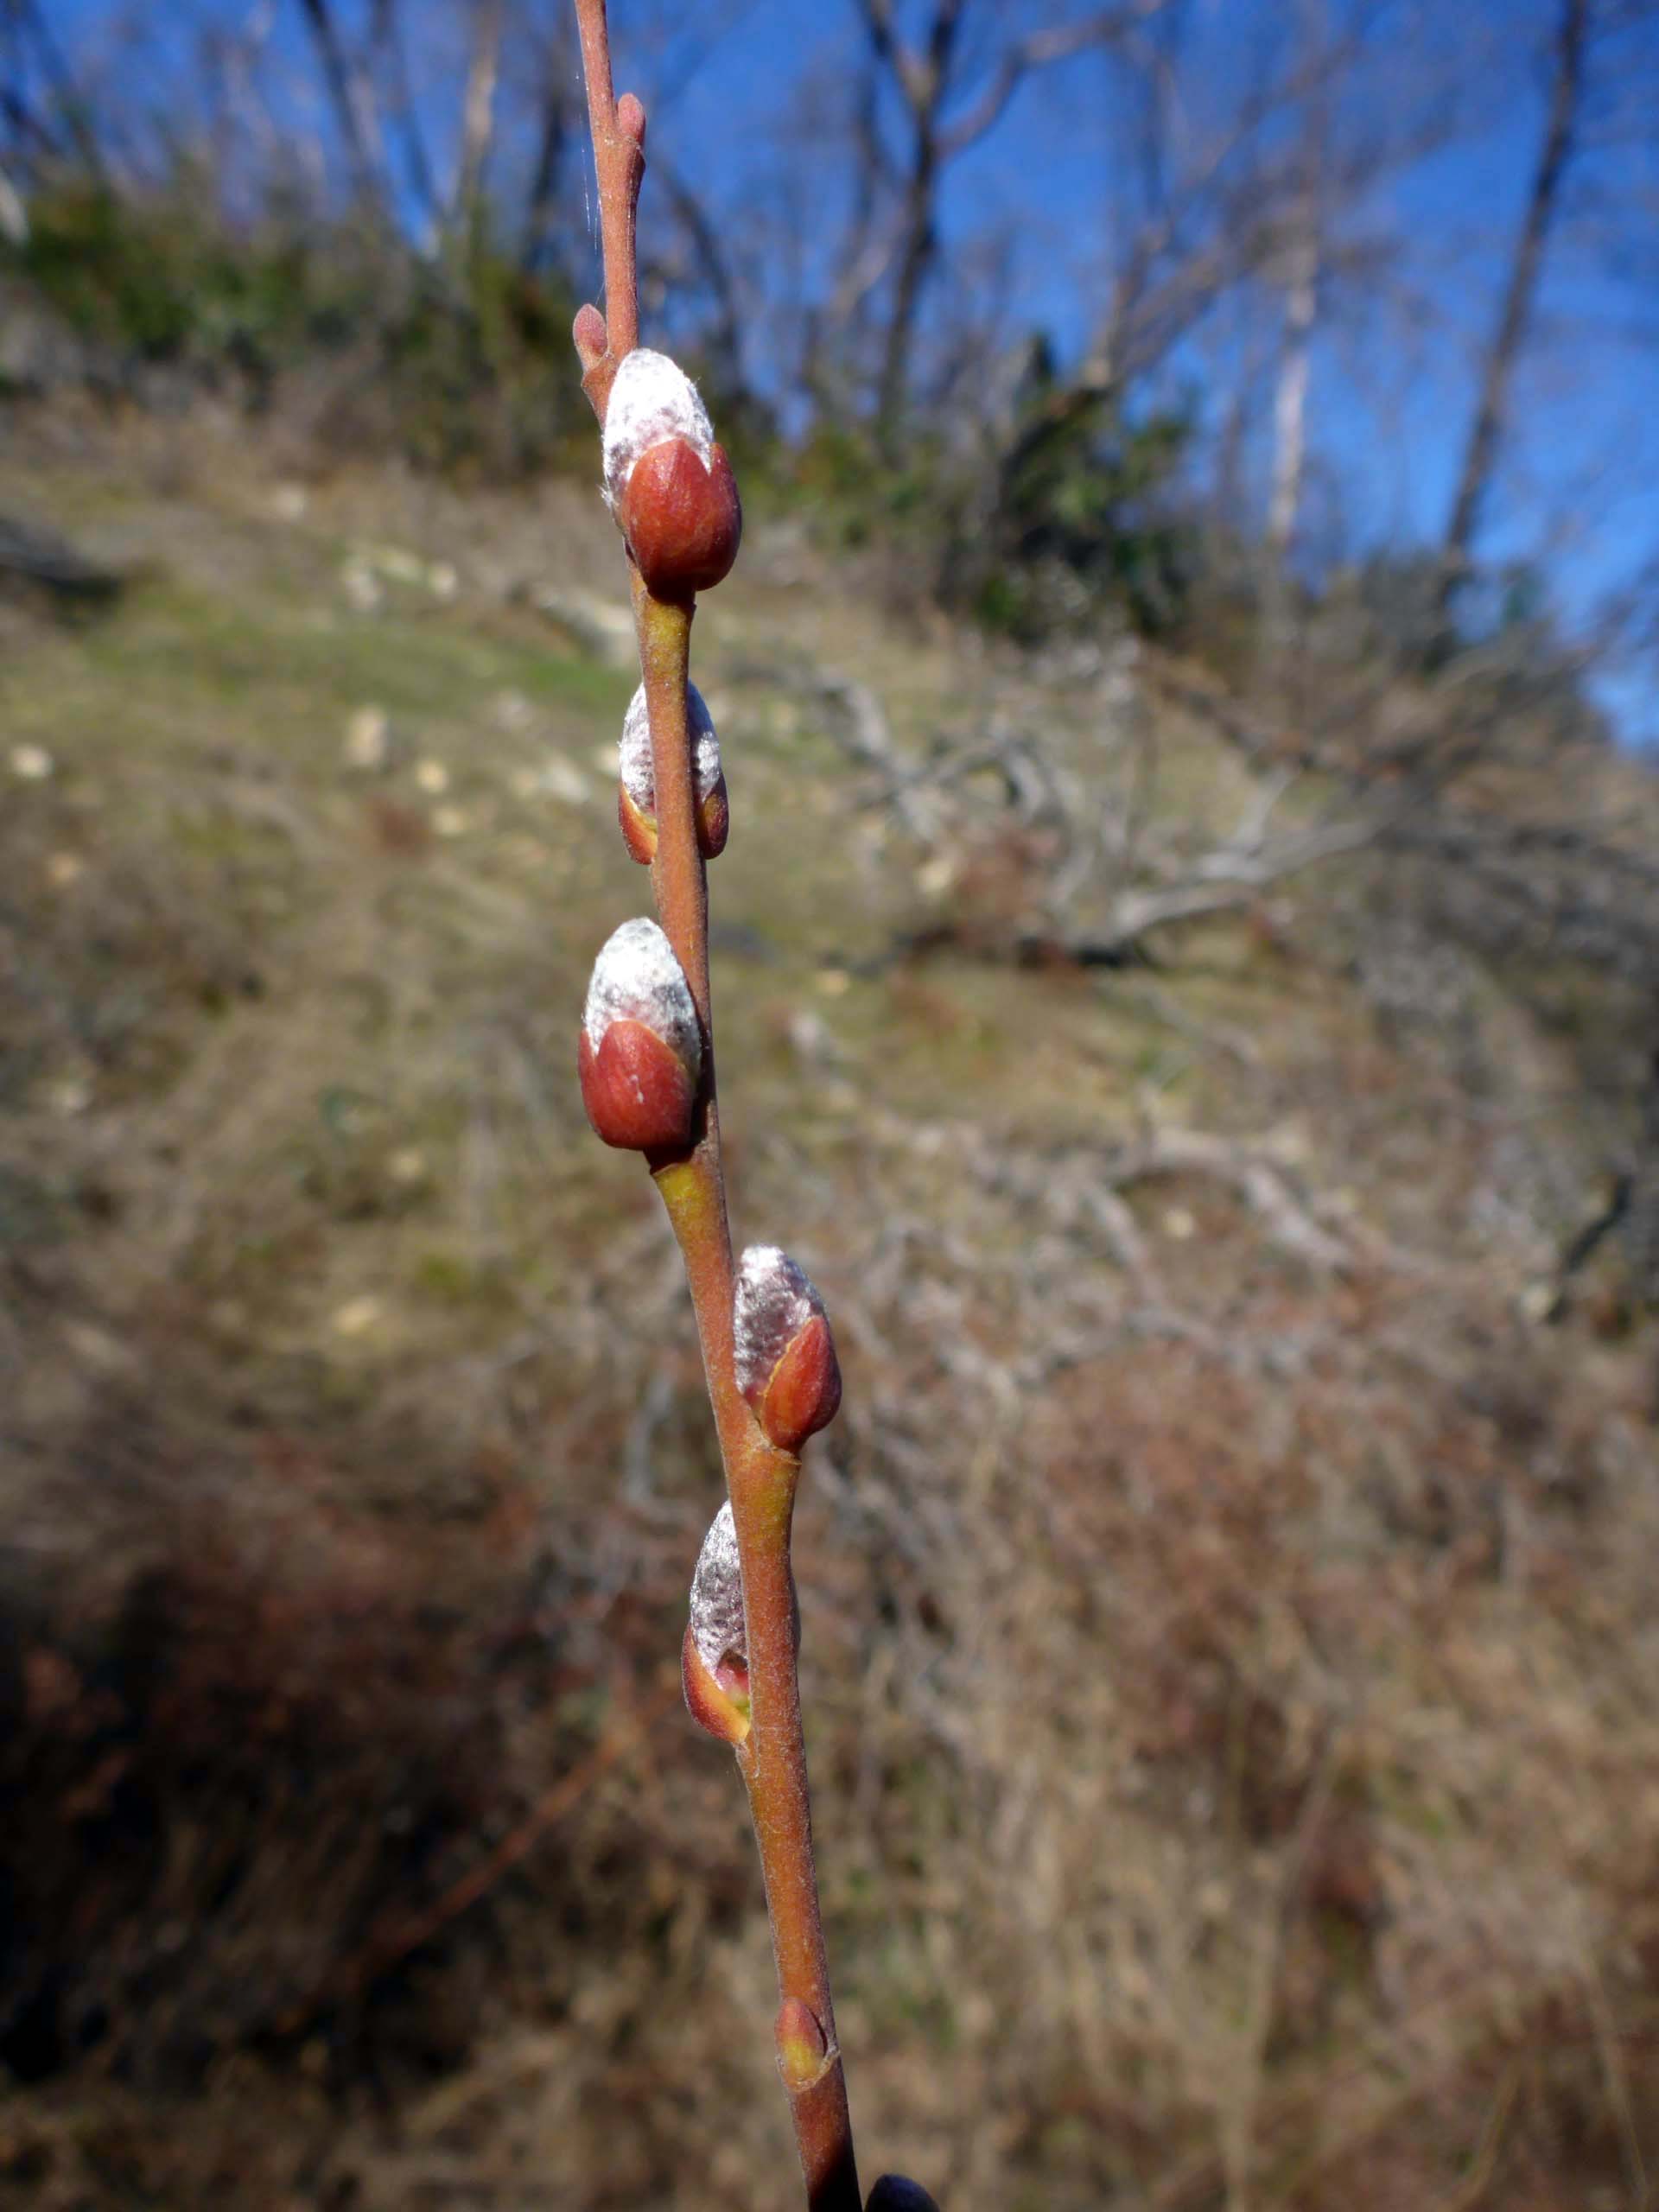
<point>1229,1647</point>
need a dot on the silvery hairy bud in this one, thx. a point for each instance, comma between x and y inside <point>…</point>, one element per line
<point>786,1363</point>
<point>713,1658</point>
<point>636,802</point>
<point>670,486</point>
<point>640,1054</point>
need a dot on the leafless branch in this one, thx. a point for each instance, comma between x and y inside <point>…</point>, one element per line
<point>1042,50</point>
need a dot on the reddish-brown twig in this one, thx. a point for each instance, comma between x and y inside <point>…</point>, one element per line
<point>619,131</point>
<point>760,1478</point>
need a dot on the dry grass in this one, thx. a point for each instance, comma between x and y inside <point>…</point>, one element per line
<point>1229,1654</point>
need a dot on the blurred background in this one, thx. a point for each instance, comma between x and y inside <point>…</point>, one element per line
<point>1187,964</point>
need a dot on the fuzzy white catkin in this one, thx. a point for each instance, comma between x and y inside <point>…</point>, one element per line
<point>652,399</point>
<point>717,1626</point>
<point>637,978</point>
<point>772,1303</point>
<point>634,754</point>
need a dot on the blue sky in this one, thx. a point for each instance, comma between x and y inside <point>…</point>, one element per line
<point>1393,385</point>
<point>1393,375</point>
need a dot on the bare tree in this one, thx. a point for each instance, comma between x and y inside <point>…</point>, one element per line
<point>556,111</point>
<point>350,94</point>
<point>943,117</point>
<point>62,118</point>
<point>390,62</point>
<point>1290,399</point>
<point>865,251</point>
<point>14,215</point>
<point>1210,209</point>
<point>1303,258</point>
<point>707,264</point>
<point>1520,294</point>
<point>477,109</point>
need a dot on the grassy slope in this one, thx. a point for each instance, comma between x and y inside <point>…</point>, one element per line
<point>1231,1676</point>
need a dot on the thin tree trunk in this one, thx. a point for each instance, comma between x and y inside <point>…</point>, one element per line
<point>1243,344</point>
<point>1290,425</point>
<point>1302,271</point>
<point>550,160</point>
<point>27,15</point>
<point>386,45</point>
<point>921,241</point>
<point>725,337</point>
<point>924,79</point>
<point>1290,401</point>
<point>354,108</point>
<point>14,215</point>
<point>477,109</point>
<point>831,334</point>
<point>1520,299</point>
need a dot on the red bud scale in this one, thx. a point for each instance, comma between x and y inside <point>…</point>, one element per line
<point>636,802</point>
<point>713,1660</point>
<point>670,486</point>
<point>785,1353</point>
<point>640,1053</point>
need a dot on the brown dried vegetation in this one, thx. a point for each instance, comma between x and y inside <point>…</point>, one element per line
<point>1230,1642</point>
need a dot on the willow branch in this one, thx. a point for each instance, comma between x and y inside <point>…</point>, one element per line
<point>761,1480</point>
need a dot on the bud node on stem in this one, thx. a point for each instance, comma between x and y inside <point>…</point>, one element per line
<point>670,486</point>
<point>672,493</point>
<point>636,804</point>
<point>803,2054</point>
<point>717,1699</point>
<point>785,1352</point>
<point>640,1057</point>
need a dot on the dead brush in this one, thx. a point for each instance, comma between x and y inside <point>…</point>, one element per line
<point>647,1068</point>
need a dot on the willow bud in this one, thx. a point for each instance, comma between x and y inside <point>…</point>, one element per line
<point>640,1054</point>
<point>636,802</point>
<point>803,2053</point>
<point>713,1658</point>
<point>716,1701</point>
<point>786,1363</point>
<point>670,486</point>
